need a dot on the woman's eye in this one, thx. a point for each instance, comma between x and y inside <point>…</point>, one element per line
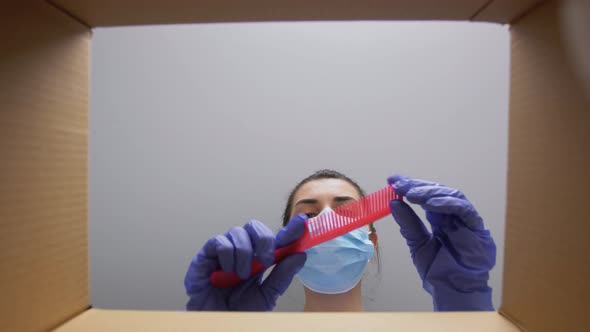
<point>311,214</point>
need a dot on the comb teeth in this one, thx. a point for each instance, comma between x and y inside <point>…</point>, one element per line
<point>326,223</point>
<point>352,215</point>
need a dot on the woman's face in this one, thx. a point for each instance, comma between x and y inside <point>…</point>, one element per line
<point>315,195</point>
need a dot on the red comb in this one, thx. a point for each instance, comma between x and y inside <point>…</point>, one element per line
<point>328,226</point>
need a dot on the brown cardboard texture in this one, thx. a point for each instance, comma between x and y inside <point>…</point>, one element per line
<point>148,321</point>
<point>44,84</point>
<point>547,267</point>
<point>98,13</point>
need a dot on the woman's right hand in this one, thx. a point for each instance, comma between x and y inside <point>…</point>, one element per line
<point>234,252</point>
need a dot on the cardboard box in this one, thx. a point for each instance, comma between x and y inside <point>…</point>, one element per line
<point>44,84</point>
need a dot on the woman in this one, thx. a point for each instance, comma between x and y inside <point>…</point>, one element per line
<point>453,261</point>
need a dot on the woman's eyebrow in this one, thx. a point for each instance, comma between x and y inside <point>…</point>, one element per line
<point>307,201</point>
<point>340,199</point>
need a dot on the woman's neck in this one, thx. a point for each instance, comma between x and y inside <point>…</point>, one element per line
<point>349,301</point>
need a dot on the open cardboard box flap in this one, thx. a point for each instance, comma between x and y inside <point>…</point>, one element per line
<point>110,320</point>
<point>44,92</point>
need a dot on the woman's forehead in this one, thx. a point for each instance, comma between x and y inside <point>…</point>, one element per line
<point>326,188</point>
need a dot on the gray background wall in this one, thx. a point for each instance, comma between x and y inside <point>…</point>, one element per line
<point>194,129</point>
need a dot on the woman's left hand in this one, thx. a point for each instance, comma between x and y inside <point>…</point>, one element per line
<point>455,259</point>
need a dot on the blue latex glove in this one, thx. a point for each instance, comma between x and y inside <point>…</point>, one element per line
<point>454,260</point>
<point>234,251</point>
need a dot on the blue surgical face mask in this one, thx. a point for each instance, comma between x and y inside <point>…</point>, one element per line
<point>336,266</point>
